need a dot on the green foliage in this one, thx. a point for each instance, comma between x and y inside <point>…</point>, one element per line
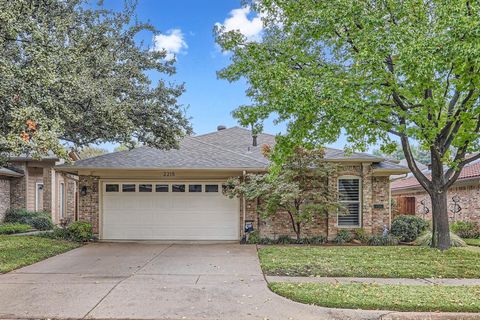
<point>253,237</point>
<point>361,235</point>
<point>89,152</point>
<point>74,73</point>
<point>465,229</point>
<point>426,240</point>
<point>80,231</point>
<point>284,239</point>
<point>300,189</point>
<point>315,240</point>
<point>343,236</point>
<point>39,220</point>
<point>407,228</point>
<point>10,228</point>
<point>421,155</point>
<point>381,240</point>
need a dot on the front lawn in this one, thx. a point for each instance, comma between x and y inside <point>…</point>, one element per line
<point>20,251</point>
<point>473,242</point>
<point>379,262</point>
<point>383,297</point>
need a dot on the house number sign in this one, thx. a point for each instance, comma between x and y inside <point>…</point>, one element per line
<point>168,174</point>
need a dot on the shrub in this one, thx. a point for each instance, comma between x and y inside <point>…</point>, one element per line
<point>343,236</point>
<point>10,228</point>
<point>318,240</point>
<point>40,220</point>
<point>80,231</point>
<point>381,240</point>
<point>41,223</point>
<point>408,228</point>
<point>284,240</point>
<point>426,240</point>
<point>253,237</point>
<point>465,229</point>
<point>266,240</point>
<point>361,235</point>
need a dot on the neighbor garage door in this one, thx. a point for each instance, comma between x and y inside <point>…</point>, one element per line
<point>168,211</point>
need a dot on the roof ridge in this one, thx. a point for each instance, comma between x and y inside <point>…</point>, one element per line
<point>225,149</point>
<point>113,152</point>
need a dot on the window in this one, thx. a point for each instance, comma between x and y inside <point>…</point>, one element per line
<point>211,188</point>
<point>194,188</point>
<point>62,200</point>
<point>111,188</point>
<point>128,188</point>
<point>39,196</point>
<point>161,188</point>
<point>144,188</point>
<point>349,196</point>
<point>178,188</point>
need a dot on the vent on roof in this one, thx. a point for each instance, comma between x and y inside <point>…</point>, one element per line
<point>221,127</point>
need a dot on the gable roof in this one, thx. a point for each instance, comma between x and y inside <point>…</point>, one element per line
<point>6,172</point>
<point>470,171</point>
<point>225,149</point>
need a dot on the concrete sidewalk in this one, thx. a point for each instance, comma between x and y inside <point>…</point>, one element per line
<point>398,281</point>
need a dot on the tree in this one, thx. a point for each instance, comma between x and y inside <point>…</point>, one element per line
<point>300,189</point>
<point>419,154</point>
<point>89,152</point>
<point>369,69</point>
<point>72,74</point>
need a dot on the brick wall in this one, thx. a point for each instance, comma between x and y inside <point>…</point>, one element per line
<point>88,205</point>
<point>469,196</point>
<point>18,189</point>
<point>70,198</point>
<point>4,197</point>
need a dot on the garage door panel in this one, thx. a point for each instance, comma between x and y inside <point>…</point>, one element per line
<point>170,215</point>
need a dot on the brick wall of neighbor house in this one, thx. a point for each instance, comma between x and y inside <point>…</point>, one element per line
<point>4,197</point>
<point>88,205</point>
<point>70,198</point>
<point>18,189</point>
<point>469,196</point>
<point>375,209</point>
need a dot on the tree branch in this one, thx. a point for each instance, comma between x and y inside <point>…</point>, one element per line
<point>422,179</point>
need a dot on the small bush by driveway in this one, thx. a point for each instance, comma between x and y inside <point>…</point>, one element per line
<point>383,297</point>
<point>375,262</point>
<point>16,252</point>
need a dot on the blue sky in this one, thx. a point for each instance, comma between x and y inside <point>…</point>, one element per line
<point>186,28</point>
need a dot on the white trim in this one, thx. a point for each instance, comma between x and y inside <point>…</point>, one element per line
<point>61,194</point>
<point>36,194</point>
<point>360,201</point>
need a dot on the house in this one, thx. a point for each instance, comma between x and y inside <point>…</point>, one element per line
<point>33,184</point>
<point>147,193</point>
<point>463,195</point>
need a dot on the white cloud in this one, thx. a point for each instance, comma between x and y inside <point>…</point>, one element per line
<point>172,41</point>
<point>239,20</point>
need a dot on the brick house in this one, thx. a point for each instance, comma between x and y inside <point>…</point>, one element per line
<point>463,196</point>
<point>146,193</point>
<point>34,185</point>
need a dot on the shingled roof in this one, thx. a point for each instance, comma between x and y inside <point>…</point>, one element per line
<point>225,149</point>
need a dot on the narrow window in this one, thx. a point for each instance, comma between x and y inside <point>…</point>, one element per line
<point>178,188</point>
<point>128,188</point>
<point>211,188</point>
<point>62,200</point>
<point>144,188</point>
<point>161,188</point>
<point>349,196</point>
<point>111,188</point>
<point>194,188</point>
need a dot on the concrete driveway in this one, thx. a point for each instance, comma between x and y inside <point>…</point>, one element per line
<point>152,281</point>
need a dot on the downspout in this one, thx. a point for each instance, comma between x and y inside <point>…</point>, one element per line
<point>244,205</point>
<point>389,205</point>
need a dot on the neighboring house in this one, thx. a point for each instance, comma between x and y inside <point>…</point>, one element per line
<point>147,193</point>
<point>463,196</point>
<point>34,185</point>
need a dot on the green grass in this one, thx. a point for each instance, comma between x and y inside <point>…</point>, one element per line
<point>383,297</point>
<point>379,262</point>
<point>20,251</point>
<point>473,242</point>
<point>10,228</point>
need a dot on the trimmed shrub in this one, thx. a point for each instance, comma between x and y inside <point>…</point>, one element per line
<point>426,240</point>
<point>317,240</point>
<point>266,240</point>
<point>41,223</point>
<point>11,228</point>
<point>80,231</point>
<point>361,235</point>
<point>253,237</point>
<point>465,229</point>
<point>381,240</point>
<point>40,220</point>
<point>407,228</point>
<point>343,236</point>
<point>284,240</point>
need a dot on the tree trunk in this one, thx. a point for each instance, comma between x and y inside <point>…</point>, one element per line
<point>440,227</point>
<point>298,230</point>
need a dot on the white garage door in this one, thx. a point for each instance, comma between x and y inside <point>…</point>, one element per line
<point>168,211</point>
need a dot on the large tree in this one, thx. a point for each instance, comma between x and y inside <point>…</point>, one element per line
<point>369,69</point>
<point>73,74</point>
